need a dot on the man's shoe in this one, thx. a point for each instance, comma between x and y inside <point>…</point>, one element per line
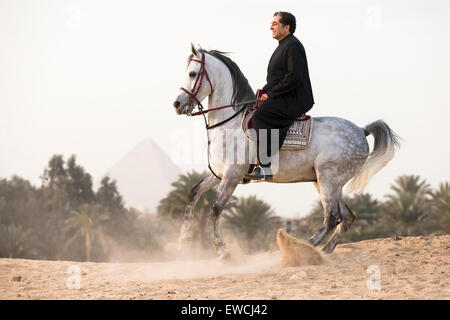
<point>261,173</point>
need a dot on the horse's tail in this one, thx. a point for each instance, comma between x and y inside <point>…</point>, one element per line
<point>385,142</point>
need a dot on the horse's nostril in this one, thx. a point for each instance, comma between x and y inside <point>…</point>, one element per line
<point>177,104</point>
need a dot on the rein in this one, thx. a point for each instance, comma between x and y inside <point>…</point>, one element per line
<point>223,107</point>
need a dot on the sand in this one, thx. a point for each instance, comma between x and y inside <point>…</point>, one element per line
<point>408,268</point>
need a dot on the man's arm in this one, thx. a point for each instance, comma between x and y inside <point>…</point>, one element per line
<point>295,64</point>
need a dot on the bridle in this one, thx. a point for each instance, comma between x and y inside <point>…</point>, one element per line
<point>202,74</point>
<point>198,82</point>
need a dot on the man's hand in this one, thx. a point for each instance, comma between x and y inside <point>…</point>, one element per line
<point>264,97</point>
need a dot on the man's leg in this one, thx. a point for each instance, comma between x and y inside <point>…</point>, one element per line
<point>263,143</point>
<point>263,152</point>
<point>268,117</point>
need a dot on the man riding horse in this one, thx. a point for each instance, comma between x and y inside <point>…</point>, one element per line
<point>329,161</point>
<point>287,94</point>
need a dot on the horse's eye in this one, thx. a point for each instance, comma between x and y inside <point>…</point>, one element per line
<point>192,74</point>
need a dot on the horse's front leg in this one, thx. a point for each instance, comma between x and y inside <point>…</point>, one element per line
<point>205,184</point>
<point>226,188</point>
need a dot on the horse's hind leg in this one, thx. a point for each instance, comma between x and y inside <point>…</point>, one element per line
<point>205,184</point>
<point>348,218</point>
<point>332,213</point>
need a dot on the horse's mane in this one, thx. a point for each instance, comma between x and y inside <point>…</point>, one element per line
<point>241,88</point>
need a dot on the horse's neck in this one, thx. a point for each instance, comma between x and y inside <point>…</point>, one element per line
<point>222,96</point>
<point>222,114</point>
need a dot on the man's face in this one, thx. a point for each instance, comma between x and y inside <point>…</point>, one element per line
<point>278,31</point>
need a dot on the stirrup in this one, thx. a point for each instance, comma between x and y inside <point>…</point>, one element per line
<point>261,173</point>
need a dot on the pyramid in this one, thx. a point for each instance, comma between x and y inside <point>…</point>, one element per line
<point>144,175</point>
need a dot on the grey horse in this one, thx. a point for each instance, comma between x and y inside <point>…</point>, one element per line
<point>338,151</point>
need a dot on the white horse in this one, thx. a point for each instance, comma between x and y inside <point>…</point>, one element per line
<point>338,150</point>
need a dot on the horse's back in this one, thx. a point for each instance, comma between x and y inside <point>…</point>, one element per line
<point>337,132</point>
<point>338,140</point>
<point>338,125</point>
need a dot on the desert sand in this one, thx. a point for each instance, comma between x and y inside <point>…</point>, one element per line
<point>406,268</point>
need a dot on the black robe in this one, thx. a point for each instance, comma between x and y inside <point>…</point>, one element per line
<point>288,87</point>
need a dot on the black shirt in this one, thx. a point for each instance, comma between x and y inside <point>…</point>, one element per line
<point>288,80</point>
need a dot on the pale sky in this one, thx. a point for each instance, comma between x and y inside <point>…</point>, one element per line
<point>94,78</point>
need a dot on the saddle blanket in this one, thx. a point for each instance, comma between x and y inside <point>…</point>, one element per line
<point>298,135</point>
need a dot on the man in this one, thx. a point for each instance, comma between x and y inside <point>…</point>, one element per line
<point>287,94</point>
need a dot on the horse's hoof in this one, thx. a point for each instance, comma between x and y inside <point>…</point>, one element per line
<point>184,242</point>
<point>224,255</point>
<point>329,248</point>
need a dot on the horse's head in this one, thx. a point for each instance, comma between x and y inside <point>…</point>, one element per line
<point>197,85</point>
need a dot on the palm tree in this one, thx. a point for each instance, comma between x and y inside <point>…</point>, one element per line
<point>440,204</point>
<point>174,204</point>
<point>15,242</point>
<point>367,211</point>
<point>407,209</point>
<point>251,217</point>
<point>86,223</point>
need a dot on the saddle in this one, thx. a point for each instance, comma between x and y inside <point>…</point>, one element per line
<point>298,135</point>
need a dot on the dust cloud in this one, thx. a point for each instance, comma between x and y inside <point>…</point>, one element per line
<point>189,263</point>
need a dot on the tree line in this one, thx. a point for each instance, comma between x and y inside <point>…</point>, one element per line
<point>65,219</point>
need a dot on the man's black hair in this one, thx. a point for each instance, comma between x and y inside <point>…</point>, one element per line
<point>287,18</point>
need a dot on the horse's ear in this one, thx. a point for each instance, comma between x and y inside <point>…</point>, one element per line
<point>194,51</point>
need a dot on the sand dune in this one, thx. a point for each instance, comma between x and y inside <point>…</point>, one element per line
<point>409,268</point>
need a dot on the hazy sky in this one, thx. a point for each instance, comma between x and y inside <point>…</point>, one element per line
<point>94,78</point>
